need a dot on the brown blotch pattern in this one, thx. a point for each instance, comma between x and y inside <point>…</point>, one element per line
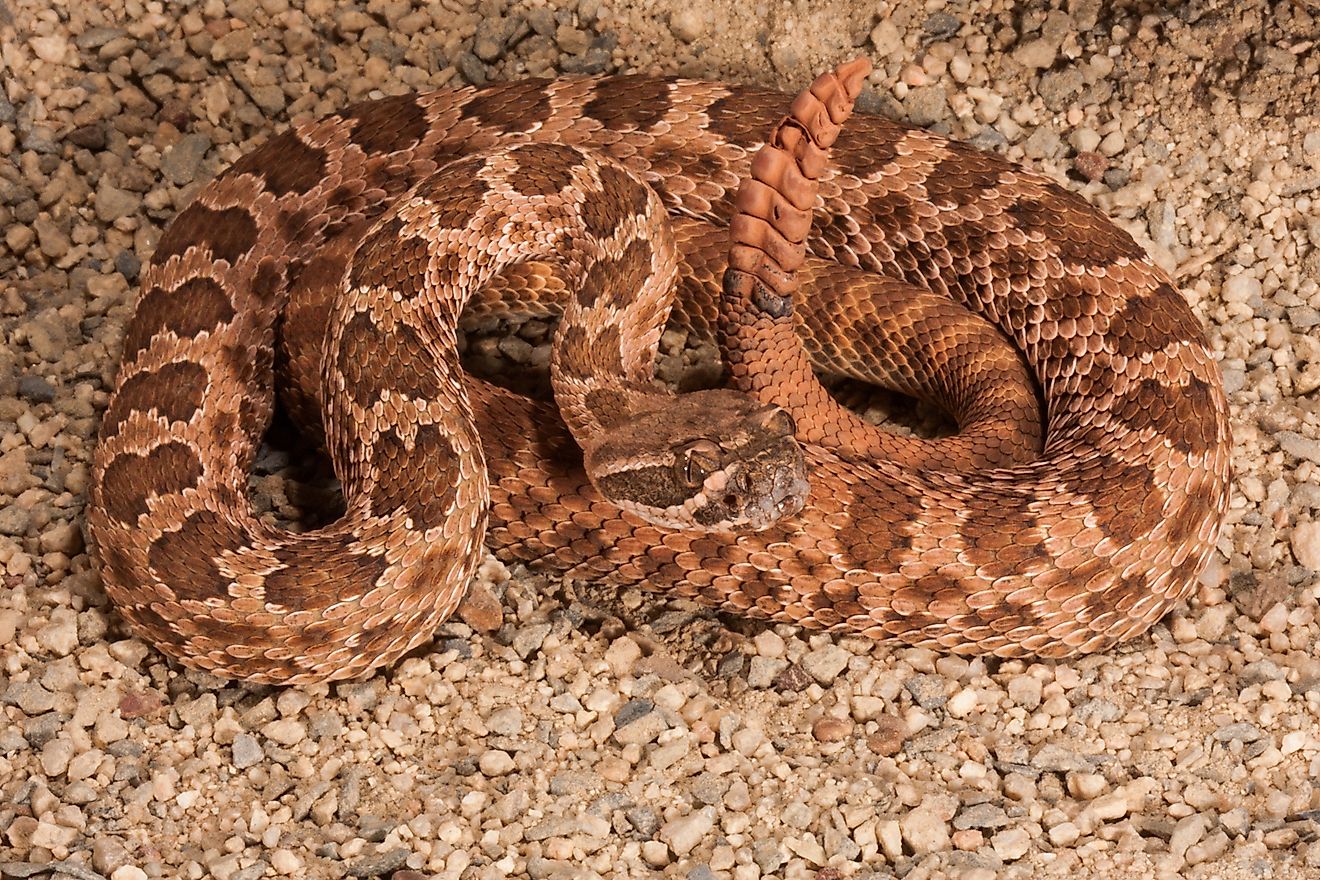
<point>629,102</point>
<point>606,404</point>
<point>616,283</point>
<point>1078,232</point>
<point>1126,503</point>
<point>132,478</point>
<point>387,125</point>
<point>1152,320</point>
<point>174,392</point>
<point>289,587</point>
<point>396,466</point>
<point>186,559</point>
<point>195,306</point>
<point>387,258</point>
<point>743,119</point>
<point>544,169</point>
<point>653,486</point>
<point>373,362</point>
<point>962,177</point>
<point>510,107</point>
<point>228,233</point>
<point>285,163</point>
<point>621,197</point>
<point>1182,414</point>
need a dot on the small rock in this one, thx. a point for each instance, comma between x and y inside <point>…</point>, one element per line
<point>1306,544</point>
<point>29,696</point>
<point>927,691</point>
<point>1011,844</point>
<point>108,854</point>
<point>35,389</point>
<point>113,203</point>
<point>924,831</point>
<point>1036,55</point>
<point>378,864</point>
<point>980,816</point>
<point>684,833</point>
<point>574,41</point>
<point>496,762</point>
<point>246,751</point>
<point>687,23</point>
<point>529,639</point>
<point>1091,164</point>
<point>286,862</point>
<point>1243,731</point>
<point>824,664</point>
<point>52,48</point>
<point>60,636</point>
<point>1297,445</point>
<point>480,609</point>
<point>1188,831</point>
<point>286,731</point>
<point>889,738</point>
<point>181,163</point>
<point>831,729</point>
<point>128,872</point>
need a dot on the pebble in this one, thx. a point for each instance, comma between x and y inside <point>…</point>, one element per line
<point>496,763</point>
<point>1306,544</point>
<point>924,830</point>
<point>687,23</point>
<point>683,834</point>
<point>824,664</point>
<point>246,751</point>
<point>1011,844</point>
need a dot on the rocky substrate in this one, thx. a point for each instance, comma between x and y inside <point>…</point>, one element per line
<point>571,731</point>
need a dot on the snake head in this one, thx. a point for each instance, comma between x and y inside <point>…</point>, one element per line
<point>710,460</point>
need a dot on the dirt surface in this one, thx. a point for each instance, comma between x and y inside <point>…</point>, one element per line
<point>577,732</point>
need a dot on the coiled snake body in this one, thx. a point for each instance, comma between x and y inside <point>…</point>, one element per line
<point>993,541</point>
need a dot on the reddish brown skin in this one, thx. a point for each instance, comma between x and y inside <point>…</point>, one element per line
<point>979,544</point>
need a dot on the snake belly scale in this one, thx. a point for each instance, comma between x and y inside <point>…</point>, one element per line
<point>989,545</point>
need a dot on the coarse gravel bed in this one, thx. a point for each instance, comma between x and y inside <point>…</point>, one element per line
<point>566,731</point>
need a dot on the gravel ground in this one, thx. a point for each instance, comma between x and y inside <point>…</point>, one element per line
<point>583,733</point>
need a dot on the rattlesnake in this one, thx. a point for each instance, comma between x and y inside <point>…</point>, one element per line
<point>986,542</point>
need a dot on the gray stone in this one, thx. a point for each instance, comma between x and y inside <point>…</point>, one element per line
<point>981,816</point>
<point>927,690</point>
<point>181,163</point>
<point>1242,731</point>
<point>35,389</point>
<point>246,751</point>
<point>378,864</point>
<point>1297,445</point>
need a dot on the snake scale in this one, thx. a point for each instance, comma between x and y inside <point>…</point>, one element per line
<point>1081,498</point>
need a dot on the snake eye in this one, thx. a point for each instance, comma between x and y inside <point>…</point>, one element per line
<point>697,460</point>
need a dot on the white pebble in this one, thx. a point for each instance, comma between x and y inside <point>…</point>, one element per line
<point>962,704</point>
<point>924,831</point>
<point>1241,287</point>
<point>1306,544</point>
<point>496,763</point>
<point>1011,844</point>
<point>684,833</point>
<point>128,872</point>
<point>60,636</point>
<point>285,861</point>
<point>286,731</point>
